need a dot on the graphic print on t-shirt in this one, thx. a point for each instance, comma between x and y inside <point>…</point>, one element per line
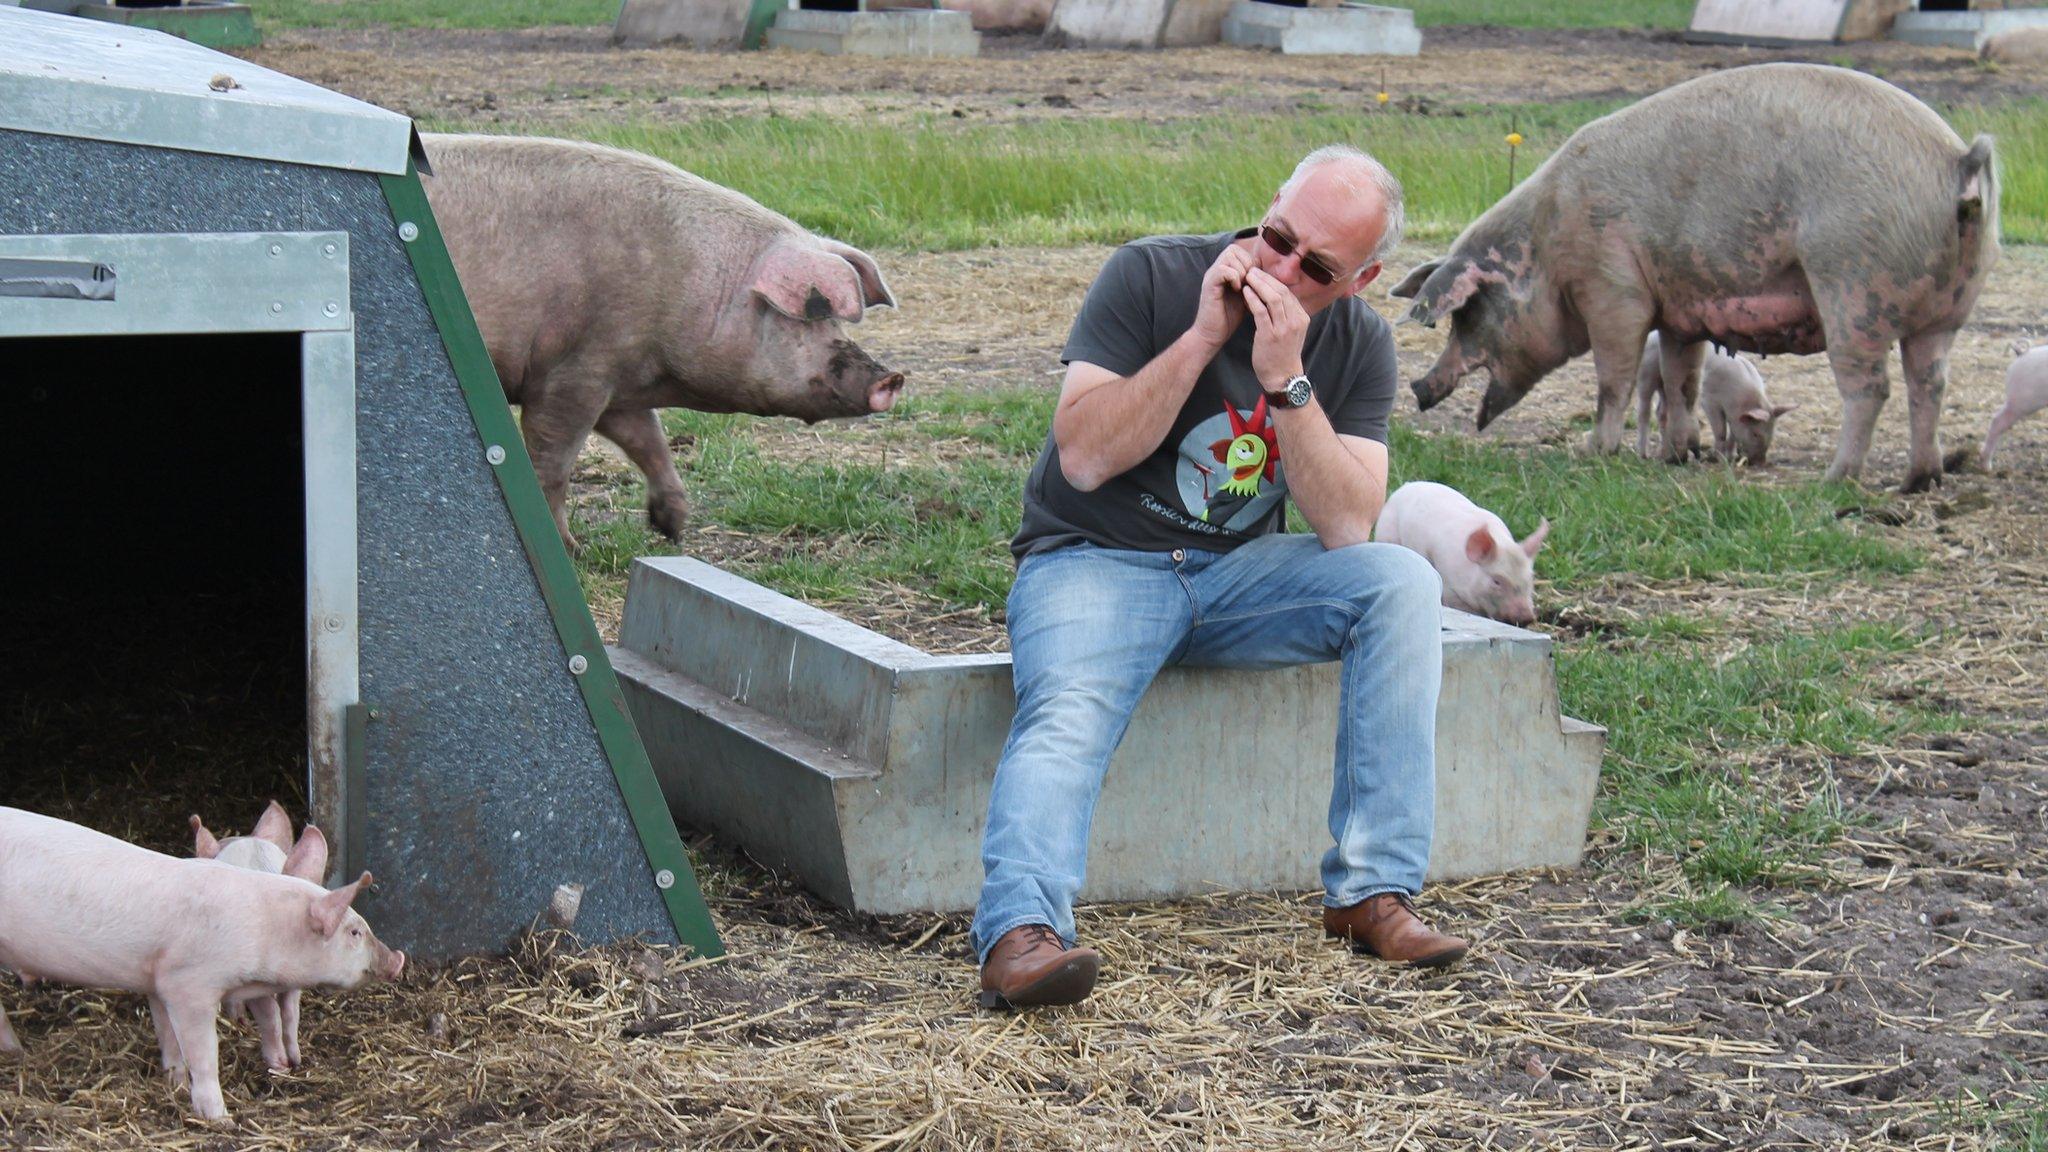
<point>1228,472</point>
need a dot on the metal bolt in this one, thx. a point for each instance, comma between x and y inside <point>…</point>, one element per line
<point>578,665</point>
<point>664,879</point>
<point>334,622</point>
<point>277,249</point>
<point>495,453</point>
<point>332,308</point>
<point>330,248</point>
<point>408,231</point>
<point>276,306</point>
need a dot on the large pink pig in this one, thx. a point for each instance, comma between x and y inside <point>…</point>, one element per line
<point>1774,208</point>
<point>269,848</point>
<point>608,284</point>
<point>84,908</point>
<point>2026,392</point>
<point>1485,570</point>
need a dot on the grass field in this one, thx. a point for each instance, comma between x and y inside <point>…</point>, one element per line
<point>540,13</point>
<point>941,185</point>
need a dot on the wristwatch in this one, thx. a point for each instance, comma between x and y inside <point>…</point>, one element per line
<point>1296,393</point>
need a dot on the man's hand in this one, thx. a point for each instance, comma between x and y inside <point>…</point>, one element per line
<point>1282,326</point>
<point>1222,307</point>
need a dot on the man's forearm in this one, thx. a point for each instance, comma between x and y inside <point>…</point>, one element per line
<point>1338,495</point>
<point>1106,431</point>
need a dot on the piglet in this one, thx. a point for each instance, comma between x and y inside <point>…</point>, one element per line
<point>269,848</point>
<point>85,908</point>
<point>1485,570</point>
<point>2026,392</point>
<point>1731,395</point>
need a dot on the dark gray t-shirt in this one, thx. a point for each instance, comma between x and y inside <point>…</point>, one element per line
<point>1216,481</point>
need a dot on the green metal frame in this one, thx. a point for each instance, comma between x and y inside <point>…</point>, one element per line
<point>759,19</point>
<point>550,563</point>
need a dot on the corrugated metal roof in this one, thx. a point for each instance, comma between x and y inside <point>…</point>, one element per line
<point>70,77</point>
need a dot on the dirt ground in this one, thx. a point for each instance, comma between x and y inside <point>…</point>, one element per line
<point>1892,995</point>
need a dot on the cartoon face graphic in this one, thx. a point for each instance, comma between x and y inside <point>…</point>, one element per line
<point>1228,473</point>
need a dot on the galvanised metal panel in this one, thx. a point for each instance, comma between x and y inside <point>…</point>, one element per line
<point>70,77</point>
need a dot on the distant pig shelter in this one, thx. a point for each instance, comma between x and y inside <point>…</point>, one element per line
<point>271,530</point>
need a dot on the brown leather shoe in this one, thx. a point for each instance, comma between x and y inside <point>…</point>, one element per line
<point>1386,926</point>
<point>1030,966</point>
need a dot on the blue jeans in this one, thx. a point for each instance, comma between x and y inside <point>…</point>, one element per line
<point>1089,629</point>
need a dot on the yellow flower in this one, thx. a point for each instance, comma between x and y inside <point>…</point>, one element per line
<point>1383,97</point>
<point>1514,139</point>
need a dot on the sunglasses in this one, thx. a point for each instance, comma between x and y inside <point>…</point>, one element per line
<point>1283,245</point>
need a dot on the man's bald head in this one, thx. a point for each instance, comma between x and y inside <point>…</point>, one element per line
<point>1355,174</point>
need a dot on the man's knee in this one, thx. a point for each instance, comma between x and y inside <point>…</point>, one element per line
<point>1394,579</point>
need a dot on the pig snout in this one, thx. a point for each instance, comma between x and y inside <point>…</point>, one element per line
<point>882,396</point>
<point>390,962</point>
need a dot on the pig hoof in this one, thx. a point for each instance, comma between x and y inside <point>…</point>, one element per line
<point>668,517</point>
<point>1919,482</point>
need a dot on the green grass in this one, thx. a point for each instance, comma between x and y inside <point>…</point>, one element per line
<point>1664,14</point>
<point>940,184</point>
<point>491,14</point>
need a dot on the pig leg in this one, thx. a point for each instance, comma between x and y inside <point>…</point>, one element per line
<point>1724,440</point>
<point>1649,387</point>
<point>167,1041</point>
<point>193,1015</point>
<point>2000,424</point>
<point>1861,378</point>
<point>1925,360</point>
<point>1617,358</point>
<point>555,425</point>
<point>638,432</point>
<point>270,1032</point>
<point>1681,368</point>
<point>288,1006</point>
<point>10,1045</point>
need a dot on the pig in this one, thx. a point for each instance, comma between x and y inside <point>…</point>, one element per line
<point>608,284</point>
<point>269,848</point>
<point>2026,392</point>
<point>81,907</point>
<point>1485,570</point>
<point>1774,208</point>
<point>1732,395</point>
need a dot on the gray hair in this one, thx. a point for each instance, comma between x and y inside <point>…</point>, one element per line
<point>1382,181</point>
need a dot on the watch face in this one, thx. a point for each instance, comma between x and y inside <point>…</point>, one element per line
<point>1298,392</point>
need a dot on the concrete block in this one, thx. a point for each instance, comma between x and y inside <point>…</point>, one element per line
<point>903,32</point>
<point>863,765</point>
<point>1782,23</point>
<point>709,25</point>
<point>1971,30</point>
<point>1109,23</point>
<point>1351,30</point>
<point>1194,23</point>
<point>207,24</point>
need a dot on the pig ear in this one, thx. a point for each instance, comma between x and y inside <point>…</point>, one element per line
<point>1781,409</point>
<point>874,290</point>
<point>1756,416</point>
<point>204,845</point>
<point>1479,545</point>
<point>329,909</point>
<point>1533,542</point>
<point>1446,290</point>
<point>1412,282</point>
<point>275,826</point>
<point>308,859</point>
<point>807,283</point>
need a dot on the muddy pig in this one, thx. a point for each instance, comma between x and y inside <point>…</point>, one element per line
<point>1485,570</point>
<point>2026,392</point>
<point>608,284</point>
<point>269,848</point>
<point>84,908</point>
<point>1731,394</point>
<point>1773,208</point>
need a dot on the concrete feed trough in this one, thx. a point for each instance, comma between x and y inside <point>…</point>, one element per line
<point>863,765</point>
